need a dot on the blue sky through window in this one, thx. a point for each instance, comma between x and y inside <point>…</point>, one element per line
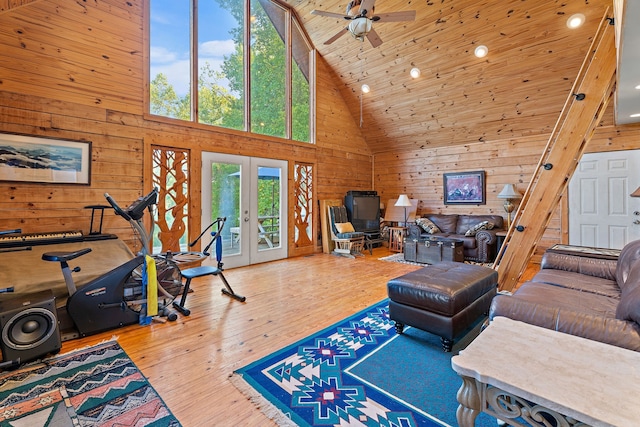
<point>170,25</point>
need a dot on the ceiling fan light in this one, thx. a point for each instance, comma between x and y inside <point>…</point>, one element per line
<point>359,27</point>
<point>481,51</point>
<point>365,88</point>
<point>415,73</point>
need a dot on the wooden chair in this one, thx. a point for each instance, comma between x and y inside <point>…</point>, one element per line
<point>348,242</point>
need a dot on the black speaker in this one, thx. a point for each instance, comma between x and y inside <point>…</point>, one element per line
<point>29,327</point>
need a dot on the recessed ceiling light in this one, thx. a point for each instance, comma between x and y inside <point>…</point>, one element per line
<point>481,51</point>
<point>365,88</point>
<point>575,20</point>
<point>638,87</point>
<point>635,115</point>
<point>415,72</point>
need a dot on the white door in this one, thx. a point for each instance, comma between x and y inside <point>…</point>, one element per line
<point>252,194</point>
<point>601,212</point>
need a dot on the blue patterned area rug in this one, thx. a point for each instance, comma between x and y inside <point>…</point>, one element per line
<point>359,372</point>
<point>96,386</point>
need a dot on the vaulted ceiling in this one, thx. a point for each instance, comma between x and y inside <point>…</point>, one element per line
<point>518,89</point>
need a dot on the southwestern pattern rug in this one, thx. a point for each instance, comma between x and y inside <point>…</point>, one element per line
<point>96,386</point>
<point>359,372</point>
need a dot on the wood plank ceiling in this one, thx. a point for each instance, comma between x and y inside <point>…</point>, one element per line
<point>518,89</point>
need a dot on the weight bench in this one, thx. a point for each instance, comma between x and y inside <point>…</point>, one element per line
<point>205,270</point>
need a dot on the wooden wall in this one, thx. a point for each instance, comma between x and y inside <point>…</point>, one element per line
<point>75,70</point>
<point>418,173</point>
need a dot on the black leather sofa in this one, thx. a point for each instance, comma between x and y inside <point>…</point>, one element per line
<point>479,247</point>
<point>583,294</point>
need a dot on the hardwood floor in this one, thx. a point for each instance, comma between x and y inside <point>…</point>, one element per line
<point>189,361</point>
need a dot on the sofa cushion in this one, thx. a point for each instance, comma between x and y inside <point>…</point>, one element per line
<point>465,222</point>
<point>597,267</point>
<point>578,281</point>
<point>427,225</point>
<point>445,222</point>
<point>468,242</point>
<point>484,225</point>
<point>567,299</point>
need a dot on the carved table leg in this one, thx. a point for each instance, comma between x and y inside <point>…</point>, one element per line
<point>469,400</point>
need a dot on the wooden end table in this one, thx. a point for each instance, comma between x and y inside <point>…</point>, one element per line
<point>543,372</point>
<point>396,238</point>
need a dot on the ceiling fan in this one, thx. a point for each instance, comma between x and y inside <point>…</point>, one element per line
<point>360,13</point>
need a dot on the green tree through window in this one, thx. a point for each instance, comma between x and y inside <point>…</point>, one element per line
<point>221,90</point>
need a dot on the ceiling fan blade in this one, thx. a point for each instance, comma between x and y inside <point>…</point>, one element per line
<point>337,36</point>
<point>367,5</point>
<point>374,38</point>
<point>408,15</point>
<point>330,14</point>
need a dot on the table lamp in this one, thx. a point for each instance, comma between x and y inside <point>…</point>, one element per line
<point>404,201</point>
<point>509,194</point>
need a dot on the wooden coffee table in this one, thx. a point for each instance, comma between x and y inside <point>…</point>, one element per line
<point>540,371</point>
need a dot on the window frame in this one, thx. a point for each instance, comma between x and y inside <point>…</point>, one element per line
<point>290,21</point>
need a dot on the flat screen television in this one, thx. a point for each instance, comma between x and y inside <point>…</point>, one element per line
<point>363,211</point>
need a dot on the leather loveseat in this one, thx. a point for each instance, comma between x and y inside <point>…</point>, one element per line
<point>590,295</point>
<point>479,245</point>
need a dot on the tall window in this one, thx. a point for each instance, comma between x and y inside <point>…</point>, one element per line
<point>244,65</point>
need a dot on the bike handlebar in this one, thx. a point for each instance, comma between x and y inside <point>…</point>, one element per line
<point>135,210</point>
<point>116,207</point>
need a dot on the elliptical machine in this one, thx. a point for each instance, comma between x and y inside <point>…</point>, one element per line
<point>118,297</point>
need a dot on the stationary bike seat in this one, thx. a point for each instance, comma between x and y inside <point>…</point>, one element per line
<point>64,256</point>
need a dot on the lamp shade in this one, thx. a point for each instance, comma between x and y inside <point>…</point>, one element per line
<point>509,192</point>
<point>403,200</point>
<point>636,193</point>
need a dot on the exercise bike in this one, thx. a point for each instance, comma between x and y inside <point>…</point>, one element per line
<point>118,297</point>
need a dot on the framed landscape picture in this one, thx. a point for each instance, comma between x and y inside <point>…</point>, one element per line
<point>36,159</point>
<point>462,188</point>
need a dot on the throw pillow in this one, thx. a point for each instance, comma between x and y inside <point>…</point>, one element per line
<point>484,225</point>
<point>345,227</point>
<point>427,225</point>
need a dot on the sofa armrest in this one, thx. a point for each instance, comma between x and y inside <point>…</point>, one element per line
<point>487,237</point>
<point>414,232</point>
<point>486,244</point>
<point>621,333</point>
<point>596,267</point>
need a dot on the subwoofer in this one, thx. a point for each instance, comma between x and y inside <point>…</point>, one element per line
<point>29,327</point>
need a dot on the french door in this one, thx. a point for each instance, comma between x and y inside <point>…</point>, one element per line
<point>251,193</point>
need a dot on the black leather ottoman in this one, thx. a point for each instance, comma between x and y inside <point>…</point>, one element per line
<point>444,298</point>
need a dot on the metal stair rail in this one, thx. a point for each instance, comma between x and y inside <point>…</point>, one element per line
<point>582,111</point>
